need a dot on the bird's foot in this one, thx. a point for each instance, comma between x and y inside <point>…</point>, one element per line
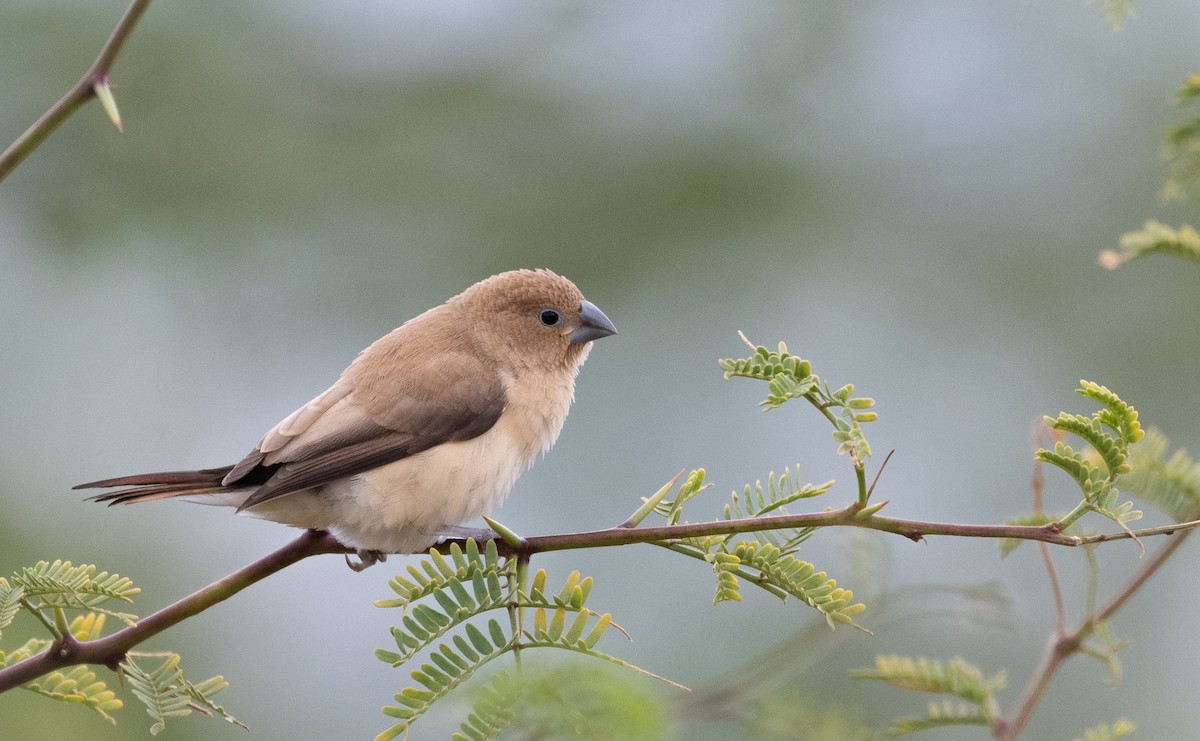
<point>366,559</point>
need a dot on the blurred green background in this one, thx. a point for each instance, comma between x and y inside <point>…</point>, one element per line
<point>912,195</point>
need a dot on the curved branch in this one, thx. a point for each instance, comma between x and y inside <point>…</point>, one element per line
<point>109,650</point>
<point>79,94</point>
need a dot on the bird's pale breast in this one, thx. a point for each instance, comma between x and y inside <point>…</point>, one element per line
<point>400,507</point>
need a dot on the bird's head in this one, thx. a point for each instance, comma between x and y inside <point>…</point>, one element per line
<point>536,318</point>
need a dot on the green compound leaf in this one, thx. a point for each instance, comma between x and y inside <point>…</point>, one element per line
<point>765,365</point>
<point>941,715</point>
<point>954,677</point>
<point>1110,449</point>
<point>1119,416</point>
<point>799,579</point>
<point>784,388</point>
<point>492,711</point>
<point>1075,465</point>
<point>10,602</point>
<point>30,648</point>
<point>759,500</point>
<point>60,585</point>
<point>447,669</point>
<point>1168,480</point>
<point>672,509</point>
<point>1155,238</point>
<point>79,684</point>
<point>543,636</point>
<point>564,700</point>
<point>166,694</point>
<point>84,627</point>
<point>202,702</point>
<point>765,565</point>
<point>1181,147</point>
<point>422,625</point>
<point>766,561</point>
<point>434,573</point>
<point>788,376</point>
<point>1098,482</point>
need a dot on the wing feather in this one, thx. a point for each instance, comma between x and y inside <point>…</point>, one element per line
<point>370,418</point>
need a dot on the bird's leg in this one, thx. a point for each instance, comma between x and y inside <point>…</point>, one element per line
<point>366,559</point>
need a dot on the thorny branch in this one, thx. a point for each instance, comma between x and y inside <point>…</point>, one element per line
<point>109,650</point>
<point>94,83</point>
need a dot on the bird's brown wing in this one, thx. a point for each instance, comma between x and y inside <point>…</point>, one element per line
<point>368,419</point>
<point>363,421</point>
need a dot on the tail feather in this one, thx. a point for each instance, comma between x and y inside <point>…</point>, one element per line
<point>147,487</point>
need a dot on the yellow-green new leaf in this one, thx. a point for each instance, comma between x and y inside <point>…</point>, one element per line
<point>77,685</point>
<point>942,715</point>
<point>10,603</point>
<point>1116,731</point>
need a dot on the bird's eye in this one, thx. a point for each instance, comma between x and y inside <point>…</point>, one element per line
<point>549,317</point>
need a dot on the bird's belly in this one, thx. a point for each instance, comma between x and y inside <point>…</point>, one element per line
<point>401,506</point>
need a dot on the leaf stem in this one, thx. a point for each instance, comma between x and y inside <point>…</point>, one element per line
<point>516,609</point>
<point>37,613</point>
<point>1071,517</point>
<point>860,474</point>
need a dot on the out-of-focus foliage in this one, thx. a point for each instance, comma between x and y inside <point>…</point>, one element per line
<point>48,591</point>
<point>955,677</point>
<point>1154,238</point>
<point>1168,479</point>
<point>559,701</point>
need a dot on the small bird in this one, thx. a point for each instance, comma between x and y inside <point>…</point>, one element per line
<point>429,427</point>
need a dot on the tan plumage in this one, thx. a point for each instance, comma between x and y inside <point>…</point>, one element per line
<point>429,426</point>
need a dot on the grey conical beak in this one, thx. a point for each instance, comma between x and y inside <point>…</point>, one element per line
<point>592,325</point>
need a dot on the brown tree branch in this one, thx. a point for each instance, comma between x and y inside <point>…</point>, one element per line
<point>79,94</point>
<point>851,516</point>
<point>110,650</point>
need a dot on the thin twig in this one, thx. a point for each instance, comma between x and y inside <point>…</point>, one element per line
<point>1037,485</point>
<point>79,94</point>
<point>1063,646</point>
<point>1060,622</point>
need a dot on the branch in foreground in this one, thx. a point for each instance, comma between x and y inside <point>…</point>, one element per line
<point>852,516</point>
<point>93,83</point>
<point>109,650</point>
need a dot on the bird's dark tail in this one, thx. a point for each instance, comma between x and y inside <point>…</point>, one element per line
<point>146,487</point>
